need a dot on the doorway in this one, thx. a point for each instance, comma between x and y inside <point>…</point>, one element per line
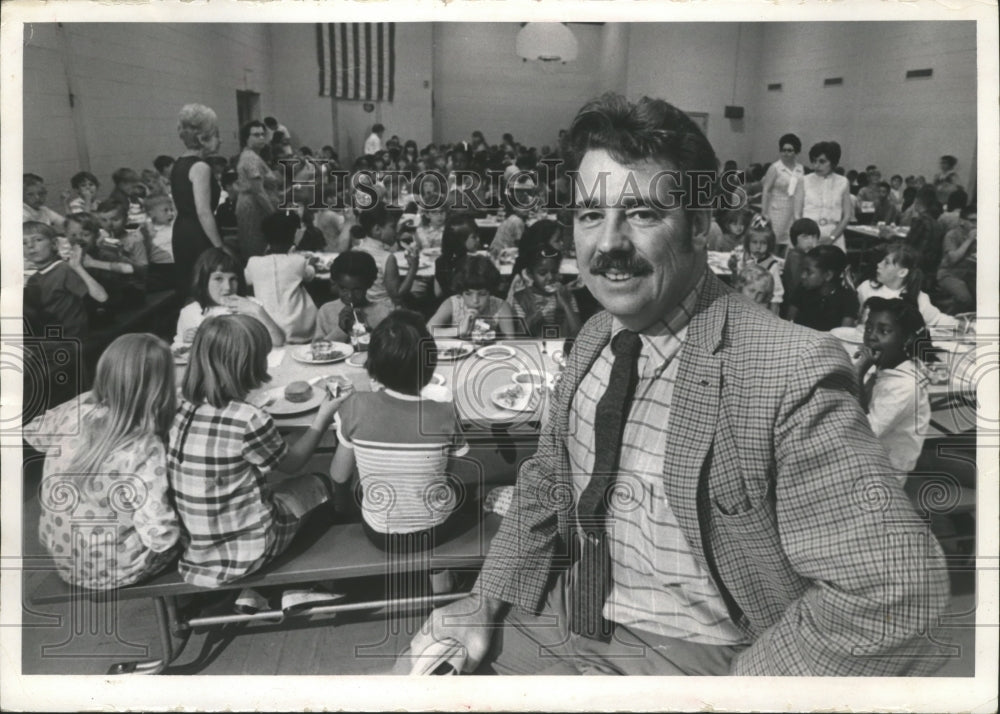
<point>247,106</point>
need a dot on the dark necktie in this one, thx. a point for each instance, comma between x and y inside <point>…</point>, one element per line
<point>594,565</point>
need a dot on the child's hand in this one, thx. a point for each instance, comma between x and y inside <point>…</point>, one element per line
<point>412,259</point>
<point>75,257</point>
<point>865,357</point>
<point>346,319</point>
<point>468,322</point>
<point>242,305</point>
<point>189,335</point>
<point>337,390</point>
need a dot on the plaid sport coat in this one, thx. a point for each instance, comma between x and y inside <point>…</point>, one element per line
<point>782,491</point>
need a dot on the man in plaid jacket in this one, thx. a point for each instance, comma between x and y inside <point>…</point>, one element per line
<point>762,530</point>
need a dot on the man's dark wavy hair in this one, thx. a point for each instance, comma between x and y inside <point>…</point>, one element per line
<point>633,132</point>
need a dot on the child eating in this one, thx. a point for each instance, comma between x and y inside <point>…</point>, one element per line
<point>111,439</point>
<point>822,301</point>
<point>401,443</point>
<point>473,307</point>
<point>461,237</point>
<point>85,184</point>
<point>218,289</point>
<point>120,245</point>
<point>353,273</point>
<point>894,396</point>
<point>379,226</point>
<point>545,306</point>
<point>221,449</point>
<point>278,279</point>
<point>158,233</point>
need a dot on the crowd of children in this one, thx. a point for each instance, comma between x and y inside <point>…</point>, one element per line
<point>206,458</point>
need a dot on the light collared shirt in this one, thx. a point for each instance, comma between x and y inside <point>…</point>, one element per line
<point>899,413</point>
<point>658,585</point>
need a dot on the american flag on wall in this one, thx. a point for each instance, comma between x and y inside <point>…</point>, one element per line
<point>357,60</point>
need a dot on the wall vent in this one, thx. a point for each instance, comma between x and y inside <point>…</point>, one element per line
<point>833,81</point>
<point>775,87</point>
<point>919,73</point>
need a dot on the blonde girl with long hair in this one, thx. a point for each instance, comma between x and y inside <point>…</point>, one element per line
<point>106,517</point>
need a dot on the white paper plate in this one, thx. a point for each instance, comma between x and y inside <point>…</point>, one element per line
<point>451,350</point>
<point>501,397</point>
<point>438,380</point>
<point>304,354</point>
<point>851,335</point>
<point>281,407</point>
<point>495,352</point>
<point>547,378</point>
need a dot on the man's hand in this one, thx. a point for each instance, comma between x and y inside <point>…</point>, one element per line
<point>468,621</point>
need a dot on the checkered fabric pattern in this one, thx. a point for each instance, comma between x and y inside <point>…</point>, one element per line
<point>658,585</point>
<point>217,461</point>
<point>780,488</point>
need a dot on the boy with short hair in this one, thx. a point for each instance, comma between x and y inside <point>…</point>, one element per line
<point>804,234</point>
<point>35,210</point>
<point>158,232</point>
<point>120,245</point>
<point>127,191</point>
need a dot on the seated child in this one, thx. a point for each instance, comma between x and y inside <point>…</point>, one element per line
<point>509,232</point>
<point>129,191</point>
<point>353,273</point>
<point>894,396</point>
<point>401,443</point>
<point>278,279</point>
<point>822,301</point>
<point>461,237</point>
<point>83,230</point>
<point>109,441</point>
<point>733,225</point>
<point>35,209</point>
<point>896,192</point>
<point>756,284</point>
<point>430,232</point>
<point>164,165</point>
<point>222,447</point>
<point>804,234</point>
<point>310,237</point>
<point>540,234</point>
<point>379,226</point>
<point>85,184</point>
<point>758,247</point>
<point>217,288</point>
<point>475,281</point>
<point>121,245</point>
<point>57,291</point>
<point>158,233</point>
<point>898,275</point>
<point>956,277</point>
<point>544,306</point>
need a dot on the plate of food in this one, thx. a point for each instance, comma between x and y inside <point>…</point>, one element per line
<point>451,350</point>
<point>514,397</point>
<point>482,333</point>
<point>181,353</point>
<point>507,256</point>
<point>297,397</point>
<point>322,352</point>
<point>534,378</point>
<point>495,352</point>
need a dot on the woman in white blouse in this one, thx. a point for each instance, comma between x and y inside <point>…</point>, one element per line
<point>780,183</point>
<point>825,196</point>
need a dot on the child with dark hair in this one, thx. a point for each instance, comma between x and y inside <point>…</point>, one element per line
<point>128,191</point>
<point>278,279</point>
<point>822,301</point>
<point>545,306</point>
<point>85,184</point>
<point>225,212</point>
<point>460,238</point>
<point>400,442</point>
<point>804,234</point>
<point>733,226</point>
<point>217,288</point>
<point>378,224</point>
<point>898,275</point>
<point>352,273</point>
<point>894,396</point>
<point>474,307</point>
<point>957,275</point>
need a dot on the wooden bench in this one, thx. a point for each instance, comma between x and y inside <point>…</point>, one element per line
<point>152,315</point>
<point>319,553</point>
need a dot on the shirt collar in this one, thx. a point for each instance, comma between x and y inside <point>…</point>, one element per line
<point>400,395</point>
<point>662,340</point>
<point>50,266</point>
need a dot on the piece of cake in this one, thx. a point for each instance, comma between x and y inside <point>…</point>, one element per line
<point>298,392</point>
<point>321,349</point>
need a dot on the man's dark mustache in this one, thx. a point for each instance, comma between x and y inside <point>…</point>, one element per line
<point>620,261</point>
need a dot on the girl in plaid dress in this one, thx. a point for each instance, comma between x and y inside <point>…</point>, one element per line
<point>221,449</point>
<point>106,517</point>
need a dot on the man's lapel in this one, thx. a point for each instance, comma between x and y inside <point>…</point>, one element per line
<point>694,410</point>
